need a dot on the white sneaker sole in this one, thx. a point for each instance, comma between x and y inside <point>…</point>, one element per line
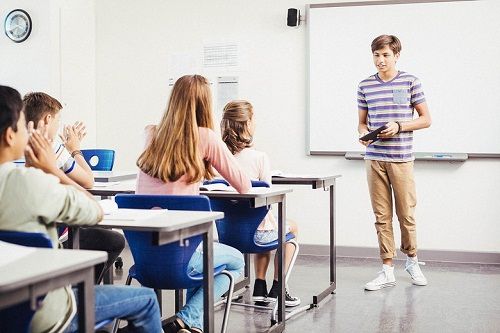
<point>385,285</point>
<point>289,304</point>
<point>419,283</point>
<point>259,298</point>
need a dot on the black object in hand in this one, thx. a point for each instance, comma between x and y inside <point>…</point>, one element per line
<point>373,134</point>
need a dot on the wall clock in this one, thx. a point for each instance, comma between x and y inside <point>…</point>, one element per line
<point>17,25</point>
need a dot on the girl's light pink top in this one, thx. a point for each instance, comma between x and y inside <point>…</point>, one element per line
<point>213,150</point>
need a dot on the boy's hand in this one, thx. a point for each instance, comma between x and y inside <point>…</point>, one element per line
<point>70,138</point>
<point>364,143</point>
<point>391,130</point>
<point>39,153</point>
<point>80,130</point>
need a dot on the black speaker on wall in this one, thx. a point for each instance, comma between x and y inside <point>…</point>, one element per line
<point>293,18</point>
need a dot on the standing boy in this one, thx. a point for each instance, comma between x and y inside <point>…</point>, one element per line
<point>390,98</point>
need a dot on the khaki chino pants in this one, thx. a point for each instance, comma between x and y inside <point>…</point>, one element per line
<point>384,178</point>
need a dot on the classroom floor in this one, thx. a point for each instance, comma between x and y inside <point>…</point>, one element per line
<point>458,298</point>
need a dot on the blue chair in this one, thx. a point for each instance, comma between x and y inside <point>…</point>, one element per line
<point>18,318</point>
<point>165,267</point>
<point>99,159</point>
<point>238,227</point>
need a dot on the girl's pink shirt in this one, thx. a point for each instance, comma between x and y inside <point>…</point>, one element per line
<point>213,150</point>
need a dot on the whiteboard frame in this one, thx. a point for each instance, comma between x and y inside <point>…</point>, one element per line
<point>308,74</point>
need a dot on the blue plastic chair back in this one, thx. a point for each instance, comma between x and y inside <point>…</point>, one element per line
<point>105,159</point>
<point>162,267</point>
<point>33,239</point>
<point>240,222</point>
<point>17,318</point>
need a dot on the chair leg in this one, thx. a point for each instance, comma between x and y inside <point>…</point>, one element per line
<point>287,275</point>
<point>116,324</point>
<point>179,299</point>
<point>294,257</point>
<point>228,302</point>
<point>158,297</point>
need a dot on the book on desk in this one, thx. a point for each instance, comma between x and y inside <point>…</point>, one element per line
<point>113,176</point>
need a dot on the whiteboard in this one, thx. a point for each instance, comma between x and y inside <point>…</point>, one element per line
<point>453,47</point>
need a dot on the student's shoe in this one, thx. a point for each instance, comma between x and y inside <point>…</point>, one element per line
<point>289,299</point>
<point>384,279</point>
<point>176,327</point>
<point>259,291</point>
<point>190,330</point>
<point>172,327</point>
<point>413,268</point>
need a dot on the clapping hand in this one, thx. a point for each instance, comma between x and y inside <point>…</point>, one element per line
<point>39,152</point>
<point>73,135</point>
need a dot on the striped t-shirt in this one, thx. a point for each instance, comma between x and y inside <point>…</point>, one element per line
<point>63,158</point>
<point>390,101</point>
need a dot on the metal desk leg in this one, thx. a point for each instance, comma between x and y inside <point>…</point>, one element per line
<point>245,282</point>
<point>279,326</point>
<point>333,252</point>
<point>86,314</point>
<point>179,299</point>
<point>73,237</point>
<point>208,281</point>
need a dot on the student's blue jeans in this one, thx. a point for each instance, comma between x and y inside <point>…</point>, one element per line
<point>137,305</point>
<point>192,313</point>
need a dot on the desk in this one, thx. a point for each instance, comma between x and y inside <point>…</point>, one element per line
<point>175,225</point>
<point>326,183</point>
<point>47,269</point>
<point>258,197</point>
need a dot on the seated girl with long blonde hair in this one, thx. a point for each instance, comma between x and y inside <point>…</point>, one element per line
<point>180,152</point>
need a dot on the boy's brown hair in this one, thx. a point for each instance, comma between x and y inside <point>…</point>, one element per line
<point>383,40</point>
<point>38,104</point>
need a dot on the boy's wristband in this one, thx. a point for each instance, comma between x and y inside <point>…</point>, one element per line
<point>399,127</point>
<point>76,152</point>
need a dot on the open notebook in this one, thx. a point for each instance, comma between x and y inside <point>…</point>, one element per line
<point>125,214</point>
<point>217,187</point>
<point>281,174</point>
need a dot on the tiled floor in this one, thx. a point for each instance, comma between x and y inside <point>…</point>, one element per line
<point>458,298</point>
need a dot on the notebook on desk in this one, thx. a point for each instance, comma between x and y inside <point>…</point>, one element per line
<point>113,176</point>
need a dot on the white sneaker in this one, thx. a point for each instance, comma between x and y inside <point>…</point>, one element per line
<point>413,268</point>
<point>384,279</point>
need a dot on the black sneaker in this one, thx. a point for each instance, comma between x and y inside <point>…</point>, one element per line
<point>289,300</point>
<point>171,327</point>
<point>259,291</point>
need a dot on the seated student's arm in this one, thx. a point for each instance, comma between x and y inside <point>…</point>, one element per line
<point>75,166</point>
<point>217,153</point>
<point>39,154</point>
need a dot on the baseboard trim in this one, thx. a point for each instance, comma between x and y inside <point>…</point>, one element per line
<point>425,255</point>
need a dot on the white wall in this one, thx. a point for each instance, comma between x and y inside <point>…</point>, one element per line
<point>457,207</point>
<point>58,57</point>
<point>125,86</point>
